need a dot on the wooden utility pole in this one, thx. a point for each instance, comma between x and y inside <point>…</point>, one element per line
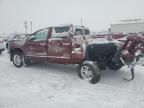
<point>25,24</point>
<point>31,26</point>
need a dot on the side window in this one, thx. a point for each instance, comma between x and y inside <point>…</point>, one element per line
<point>78,32</point>
<point>41,35</point>
<point>86,32</point>
<point>59,32</point>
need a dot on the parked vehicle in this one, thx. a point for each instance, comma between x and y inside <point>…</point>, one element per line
<point>71,44</point>
<point>2,48</point>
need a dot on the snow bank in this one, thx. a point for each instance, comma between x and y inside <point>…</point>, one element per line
<point>58,86</point>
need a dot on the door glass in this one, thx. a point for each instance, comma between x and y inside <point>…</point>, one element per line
<point>41,35</point>
<point>86,32</point>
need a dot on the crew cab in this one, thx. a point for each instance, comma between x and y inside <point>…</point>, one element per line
<point>66,44</point>
<point>60,44</point>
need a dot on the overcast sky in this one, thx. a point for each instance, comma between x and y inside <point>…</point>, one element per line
<point>96,14</point>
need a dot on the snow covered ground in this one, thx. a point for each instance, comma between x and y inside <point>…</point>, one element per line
<point>58,86</point>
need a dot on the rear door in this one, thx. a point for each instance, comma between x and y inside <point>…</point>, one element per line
<point>79,45</point>
<point>59,45</point>
<point>36,46</point>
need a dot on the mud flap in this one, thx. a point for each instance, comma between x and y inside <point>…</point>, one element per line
<point>132,66</point>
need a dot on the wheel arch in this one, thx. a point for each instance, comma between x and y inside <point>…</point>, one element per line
<point>15,50</point>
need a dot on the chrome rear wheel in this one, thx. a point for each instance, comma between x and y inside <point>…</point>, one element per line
<point>86,72</point>
<point>17,59</point>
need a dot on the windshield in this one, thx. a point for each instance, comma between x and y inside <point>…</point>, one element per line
<point>59,32</point>
<point>19,37</point>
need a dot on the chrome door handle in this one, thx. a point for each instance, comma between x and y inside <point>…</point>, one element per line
<point>66,44</point>
<point>42,44</point>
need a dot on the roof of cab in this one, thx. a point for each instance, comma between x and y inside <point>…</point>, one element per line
<point>63,25</point>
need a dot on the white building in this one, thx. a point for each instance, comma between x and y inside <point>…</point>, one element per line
<point>128,26</point>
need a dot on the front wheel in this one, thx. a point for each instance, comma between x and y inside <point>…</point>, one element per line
<point>89,71</point>
<point>17,59</point>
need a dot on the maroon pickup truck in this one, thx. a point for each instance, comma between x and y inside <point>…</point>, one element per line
<point>69,44</point>
<point>61,44</point>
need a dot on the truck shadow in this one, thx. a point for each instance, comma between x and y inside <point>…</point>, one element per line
<point>55,68</point>
<point>107,75</point>
<point>68,73</point>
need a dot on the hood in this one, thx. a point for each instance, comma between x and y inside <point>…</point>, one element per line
<point>16,43</point>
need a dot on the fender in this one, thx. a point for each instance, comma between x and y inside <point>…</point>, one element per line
<point>15,50</point>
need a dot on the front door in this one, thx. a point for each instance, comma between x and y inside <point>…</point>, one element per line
<point>36,46</point>
<point>59,45</point>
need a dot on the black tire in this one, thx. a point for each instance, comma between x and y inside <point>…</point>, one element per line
<point>20,55</point>
<point>93,72</point>
<point>26,62</point>
<point>6,45</point>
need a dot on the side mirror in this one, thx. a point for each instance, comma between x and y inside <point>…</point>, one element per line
<point>31,38</point>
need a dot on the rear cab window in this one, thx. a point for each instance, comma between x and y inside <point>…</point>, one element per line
<point>87,32</point>
<point>81,31</point>
<point>60,32</point>
<point>78,32</point>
